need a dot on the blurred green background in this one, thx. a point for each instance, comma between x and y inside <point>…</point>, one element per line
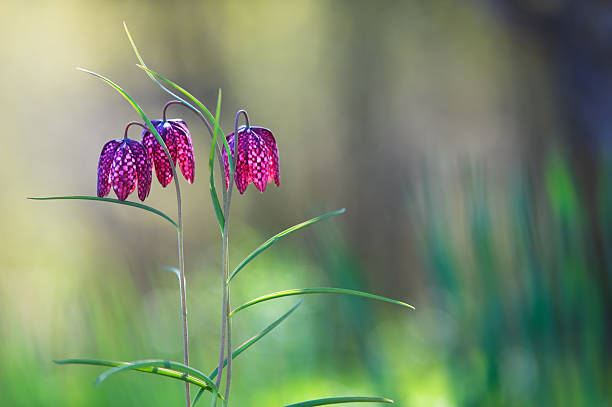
<point>467,139</point>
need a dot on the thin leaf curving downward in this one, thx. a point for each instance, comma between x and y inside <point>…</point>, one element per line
<point>161,371</point>
<point>157,363</point>
<point>340,400</point>
<point>142,62</point>
<point>95,198</point>
<point>318,290</point>
<point>276,237</point>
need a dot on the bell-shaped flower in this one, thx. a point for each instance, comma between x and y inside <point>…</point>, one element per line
<point>175,134</point>
<point>257,158</point>
<point>123,164</point>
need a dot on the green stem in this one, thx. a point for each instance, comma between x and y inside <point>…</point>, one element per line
<point>226,332</point>
<point>182,280</point>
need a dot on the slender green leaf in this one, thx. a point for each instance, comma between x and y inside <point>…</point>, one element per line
<point>340,400</point>
<point>95,198</point>
<point>318,290</point>
<point>203,108</point>
<point>187,370</point>
<point>135,105</point>
<point>276,237</point>
<point>142,62</point>
<point>248,343</point>
<point>254,339</point>
<point>162,371</point>
<point>211,160</point>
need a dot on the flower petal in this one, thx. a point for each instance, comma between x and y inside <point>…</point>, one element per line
<point>258,158</point>
<point>157,155</point>
<point>268,138</point>
<point>123,172</point>
<point>184,149</point>
<point>230,143</point>
<point>143,168</point>
<point>104,167</point>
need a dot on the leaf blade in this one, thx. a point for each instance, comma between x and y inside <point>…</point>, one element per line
<point>317,290</point>
<point>280,235</point>
<point>339,400</point>
<point>95,198</point>
<point>142,62</point>
<point>254,339</point>
<point>158,371</point>
<point>213,191</point>
<point>248,343</point>
<point>188,370</point>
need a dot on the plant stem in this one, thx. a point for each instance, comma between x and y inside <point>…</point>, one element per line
<point>181,261</point>
<point>182,280</point>
<point>226,330</point>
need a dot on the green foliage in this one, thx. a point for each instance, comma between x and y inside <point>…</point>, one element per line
<point>340,400</point>
<point>116,201</point>
<point>278,236</point>
<point>318,290</point>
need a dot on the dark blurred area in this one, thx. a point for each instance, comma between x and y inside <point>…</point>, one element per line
<point>468,140</point>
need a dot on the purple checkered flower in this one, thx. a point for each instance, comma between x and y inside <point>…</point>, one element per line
<point>175,134</point>
<point>257,158</point>
<point>122,165</point>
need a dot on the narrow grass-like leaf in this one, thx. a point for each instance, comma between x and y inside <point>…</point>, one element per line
<point>211,159</point>
<point>187,370</point>
<point>254,339</point>
<point>142,62</point>
<point>276,237</point>
<point>161,371</point>
<point>135,105</point>
<point>318,290</point>
<point>340,400</point>
<point>203,108</point>
<point>248,343</point>
<point>95,198</point>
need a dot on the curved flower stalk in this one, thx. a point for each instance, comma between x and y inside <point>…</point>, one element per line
<point>122,165</point>
<point>257,160</point>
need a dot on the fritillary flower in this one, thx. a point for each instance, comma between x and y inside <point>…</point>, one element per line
<point>176,135</point>
<point>124,164</point>
<point>257,158</point>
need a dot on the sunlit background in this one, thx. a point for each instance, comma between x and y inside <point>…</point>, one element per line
<point>468,140</point>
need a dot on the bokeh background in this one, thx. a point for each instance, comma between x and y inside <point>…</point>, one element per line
<point>468,140</point>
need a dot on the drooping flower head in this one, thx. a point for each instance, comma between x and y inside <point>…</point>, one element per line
<point>176,135</point>
<point>124,164</point>
<point>257,157</point>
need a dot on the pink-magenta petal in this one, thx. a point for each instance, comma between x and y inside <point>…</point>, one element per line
<point>255,157</point>
<point>184,150</point>
<point>157,155</point>
<point>123,172</point>
<point>230,143</point>
<point>268,138</point>
<point>143,168</point>
<point>104,167</point>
